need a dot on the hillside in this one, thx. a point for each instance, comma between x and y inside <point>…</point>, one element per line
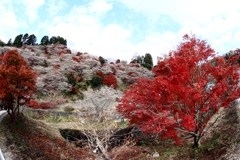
<point>54,63</point>
<point>89,117</point>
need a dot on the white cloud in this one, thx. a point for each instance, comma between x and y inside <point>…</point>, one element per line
<point>215,21</point>
<point>85,32</point>
<point>54,6</point>
<point>8,20</point>
<point>32,8</point>
<point>184,11</point>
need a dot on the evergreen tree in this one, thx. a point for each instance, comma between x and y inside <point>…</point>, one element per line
<point>145,61</point>
<point>18,41</point>
<point>2,43</point>
<point>44,41</point>
<point>9,42</point>
<point>25,39</point>
<point>32,39</point>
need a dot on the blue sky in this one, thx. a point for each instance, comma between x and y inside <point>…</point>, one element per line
<point>120,29</point>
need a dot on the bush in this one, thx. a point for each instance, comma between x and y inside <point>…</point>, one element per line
<point>76,59</point>
<point>102,60</point>
<point>96,82</point>
<point>110,80</point>
<point>100,74</point>
<point>33,104</point>
<point>47,105</point>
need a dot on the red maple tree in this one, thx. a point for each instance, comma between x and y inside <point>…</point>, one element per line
<point>110,80</point>
<point>17,83</point>
<point>189,87</point>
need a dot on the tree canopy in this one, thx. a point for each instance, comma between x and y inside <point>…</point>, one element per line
<point>189,87</point>
<point>17,82</point>
<point>146,61</point>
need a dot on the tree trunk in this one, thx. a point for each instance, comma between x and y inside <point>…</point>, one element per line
<point>196,143</point>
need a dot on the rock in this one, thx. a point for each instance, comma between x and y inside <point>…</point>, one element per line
<point>156,155</point>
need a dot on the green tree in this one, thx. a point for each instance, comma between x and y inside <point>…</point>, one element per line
<point>53,40</point>
<point>58,39</point>
<point>96,82</point>
<point>18,41</point>
<point>145,61</point>
<point>9,42</point>
<point>2,43</point>
<point>32,39</point>
<point>44,41</point>
<point>25,39</point>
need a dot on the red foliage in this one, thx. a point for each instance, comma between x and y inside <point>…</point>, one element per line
<point>68,51</point>
<point>79,53</point>
<point>100,74</point>
<point>74,90</point>
<point>234,57</point>
<point>57,66</point>
<point>179,99</point>
<point>17,82</point>
<point>131,73</point>
<point>1,57</point>
<point>60,53</point>
<point>76,59</point>
<point>33,104</point>
<point>110,80</point>
<point>47,105</point>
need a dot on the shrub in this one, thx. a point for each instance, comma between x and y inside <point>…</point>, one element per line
<point>79,53</point>
<point>76,59</point>
<point>33,104</point>
<point>47,105</point>
<point>96,82</point>
<point>100,74</point>
<point>110,80</point>
<point>102,60</point>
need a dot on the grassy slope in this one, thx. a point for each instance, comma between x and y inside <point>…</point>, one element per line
<point>35,140</point>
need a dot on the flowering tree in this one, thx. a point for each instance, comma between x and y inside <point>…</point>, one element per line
<point>189,87</point>
<point>17,82</point>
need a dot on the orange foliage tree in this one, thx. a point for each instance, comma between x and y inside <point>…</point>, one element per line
<point>17,83</point>
<point>189,87</point>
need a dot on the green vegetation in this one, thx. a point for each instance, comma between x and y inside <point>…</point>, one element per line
<point>145,61</point>
<point>96,82</point>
